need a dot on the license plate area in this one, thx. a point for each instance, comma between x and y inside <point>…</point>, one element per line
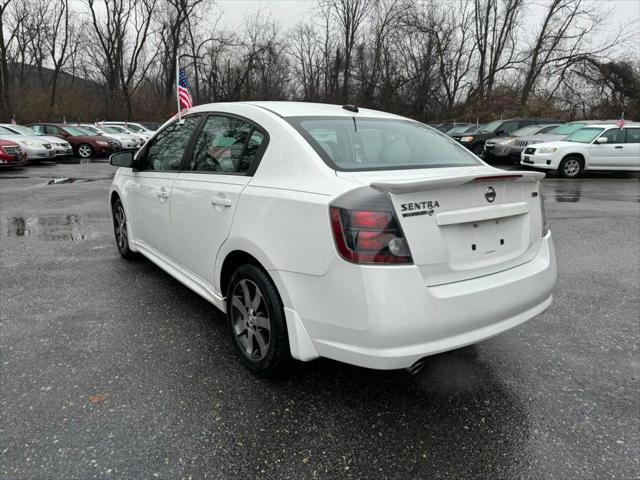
<point>482,243</point>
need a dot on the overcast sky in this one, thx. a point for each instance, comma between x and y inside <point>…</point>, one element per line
<point>290,12</point>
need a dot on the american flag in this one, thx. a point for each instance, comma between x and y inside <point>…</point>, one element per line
<point>620,123</point>
<point>184,97</point>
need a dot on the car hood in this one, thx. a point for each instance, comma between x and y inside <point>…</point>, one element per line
<point>546,137</point>
<point>49,139</point>
<point>90,138</point>
<point>559,144</point>
<point>23,139</point>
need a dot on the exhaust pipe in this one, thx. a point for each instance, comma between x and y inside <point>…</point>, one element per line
<point>416,367</point>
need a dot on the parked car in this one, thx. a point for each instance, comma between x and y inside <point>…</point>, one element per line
<point>85,146</point>
<point>61,147</point>
<point>35,148</point>
<point>334,231</point>
<point>474,140</point>
<point>595,147</point>
<point>136,128</point>
<point>501,148</point>
<point>127,140</point>
<point>11,155</point>
<point>121,129</point>
<point>558,133</point>
<point>445,127</point>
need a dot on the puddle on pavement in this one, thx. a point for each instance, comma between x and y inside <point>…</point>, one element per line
<point>65,180</point>
<point>49,227</point>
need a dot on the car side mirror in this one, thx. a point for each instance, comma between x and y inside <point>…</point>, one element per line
<point>123,159</point>
<point>602,140</point>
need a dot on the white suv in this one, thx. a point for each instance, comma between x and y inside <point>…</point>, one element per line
<point>595,147</point>
<point>330,231</point>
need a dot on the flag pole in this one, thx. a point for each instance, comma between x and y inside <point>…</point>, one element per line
<point>178,83</point>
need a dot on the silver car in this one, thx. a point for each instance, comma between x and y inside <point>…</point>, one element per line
<point>35,148</point>
<point>61,147</point>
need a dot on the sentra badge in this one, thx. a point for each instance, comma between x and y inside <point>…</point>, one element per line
<point>413,209</point>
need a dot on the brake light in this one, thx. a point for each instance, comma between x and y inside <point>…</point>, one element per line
<point>361,236</point>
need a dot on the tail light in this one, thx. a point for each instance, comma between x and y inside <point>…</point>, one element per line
<point>366,230</point>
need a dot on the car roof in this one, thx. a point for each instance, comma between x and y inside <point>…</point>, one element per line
<point>300,109</point>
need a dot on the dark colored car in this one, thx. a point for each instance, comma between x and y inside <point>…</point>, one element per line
<point>462,128</point>
<point>474,140</point>
<point>507,147</point>
<point>85,146</point>
<point>11,155</point>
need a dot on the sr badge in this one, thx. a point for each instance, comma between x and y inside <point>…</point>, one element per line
<point>414,209</point>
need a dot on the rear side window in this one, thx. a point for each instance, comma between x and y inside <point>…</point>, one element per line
<point>349,143</point>
<point>633,135</point>
<point>167,148</point>
<point>226,145</point>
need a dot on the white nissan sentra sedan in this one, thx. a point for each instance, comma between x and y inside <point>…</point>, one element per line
<point>329,231</point>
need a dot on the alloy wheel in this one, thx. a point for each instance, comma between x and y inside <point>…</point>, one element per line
<point>571,167</point>
<point>250,320</point>
<point>120,227</point>
<point>84,151</point>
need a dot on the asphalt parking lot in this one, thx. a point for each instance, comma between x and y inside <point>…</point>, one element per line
<point>112,369</point>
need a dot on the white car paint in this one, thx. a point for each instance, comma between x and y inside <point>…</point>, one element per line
<point>609,156</point>
<point>61,147</point>
<point>372,315</point>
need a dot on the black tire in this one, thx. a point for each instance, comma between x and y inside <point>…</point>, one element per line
<point>265,353</point>
<point>571,166</point>
<point>85,150</point>
<point>478,149</point>
<point>120,230</point>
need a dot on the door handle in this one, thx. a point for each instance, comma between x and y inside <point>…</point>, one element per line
<point>618,146</point>
<point>225,202</point>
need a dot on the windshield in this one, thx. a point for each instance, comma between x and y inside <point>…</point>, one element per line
<point>74,131</point>
<point>151,125</point>
<point>458,129</point>
<point>111,130</point>
<point>90,130</point>
<point>524,131</point>
<point>6,131</point>
<point>134,128</point>
<point>567,128</point>
<point>348,143</point>
<point>24,130</point>
<point>584,135</point>
<point>491,126</point>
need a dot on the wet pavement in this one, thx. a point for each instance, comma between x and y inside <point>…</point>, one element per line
<point>112,369</point>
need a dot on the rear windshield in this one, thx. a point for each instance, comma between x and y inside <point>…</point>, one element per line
<point>349,143</point>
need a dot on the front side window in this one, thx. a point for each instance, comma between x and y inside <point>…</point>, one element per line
<point>349,143</point>
<point>167,148</point>
<point>226,145</point>
<point>584,135</point>
<point>53,130</point>
<point>615,135</point>
<point>633,135</point>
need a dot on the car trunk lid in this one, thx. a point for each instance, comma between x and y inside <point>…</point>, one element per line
<point>466,222</point>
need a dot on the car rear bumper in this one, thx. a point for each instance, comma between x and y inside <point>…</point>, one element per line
<point>386,318</point>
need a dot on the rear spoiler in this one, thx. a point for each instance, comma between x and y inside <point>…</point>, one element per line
<point>435,183</point>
